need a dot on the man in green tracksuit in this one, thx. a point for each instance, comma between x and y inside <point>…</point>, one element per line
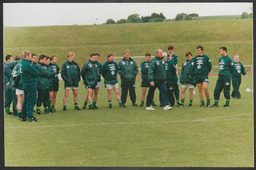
<point>226,68</point>
<point>90,77</point>
<point>171,56</point>
<point>109,73</point>
<point>144,78</point>
<point>202,67</point>
<point>43,85</point>
<point>28,75</point>
<point>186,79</point>
<point>170,78</point>
<point>128,70</point>
<point>70,73</point>
<point>236,77</point>
<point>157,78</point>
<point>7,88</point>
<point>99,71</point>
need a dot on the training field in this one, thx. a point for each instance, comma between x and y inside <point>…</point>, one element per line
<point>133,137</point>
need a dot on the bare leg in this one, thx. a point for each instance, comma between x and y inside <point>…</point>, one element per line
<point>65,96</point>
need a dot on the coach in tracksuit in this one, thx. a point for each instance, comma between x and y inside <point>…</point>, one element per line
<point>170,78</point>
<point>90,76</point>
<point>226,68</point>
<point>236,77</point>
<point>7,88</point>
<point>70,73</point>
<point>157,78</point>
<point>29,75</point>
<point>128,70</point>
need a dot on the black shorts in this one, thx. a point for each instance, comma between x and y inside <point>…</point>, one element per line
<point>201,78</point>
<point>54,86</point>
<point>91,86</point>
<point>145,83</point>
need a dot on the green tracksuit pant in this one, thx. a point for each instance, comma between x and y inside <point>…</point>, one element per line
<point>128,85</point>
<point>43,97</point>
<point>223,82</point>
<point>171,88</point>
<point>14,102</point>
<point>236,81</point>
<point>176,91</point>
<point>29,99</point>
<point>7,97</point>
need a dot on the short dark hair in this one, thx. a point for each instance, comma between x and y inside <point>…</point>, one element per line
<point>224,49</point>
<point>47,57</point>
<point>8,57</point>
<point>147,54</point>
<point>41,57</point>
<point>201,47</point>
<point>33,55</point>
<point>17,57</point>
<point>97,54</point>
<point>52,56</point>
<point>170,47</point>
<point>111,54</point>
<point>93,54</point>
<point>188,53</point>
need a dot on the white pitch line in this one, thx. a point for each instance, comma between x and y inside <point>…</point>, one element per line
<point>131,123</point>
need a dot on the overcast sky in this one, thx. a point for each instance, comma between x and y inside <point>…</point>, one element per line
<point>43,14</point>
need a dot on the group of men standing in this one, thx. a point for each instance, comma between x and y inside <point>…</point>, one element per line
<point>24,79</point>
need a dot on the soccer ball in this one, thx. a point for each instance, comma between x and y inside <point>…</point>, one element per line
<point>248,90</point>
<point>194,91</point>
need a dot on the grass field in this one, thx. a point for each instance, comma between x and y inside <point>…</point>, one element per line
<point>133,137</point>
<point>219,17</point>
<point>140,38</point>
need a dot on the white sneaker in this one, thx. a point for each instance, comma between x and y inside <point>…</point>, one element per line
<point>167,107</point>
<point>150,108</point>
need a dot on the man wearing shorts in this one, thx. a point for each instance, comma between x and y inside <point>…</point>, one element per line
<point>70,73</point>
<point>109,73</point>
<point>186,79</point>
<point>90,77</point>
<point>202,67</point>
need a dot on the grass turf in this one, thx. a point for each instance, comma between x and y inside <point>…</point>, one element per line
<point>133,137</point>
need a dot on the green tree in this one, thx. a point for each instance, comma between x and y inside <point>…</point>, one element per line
<point>145,19</point>
<point>194,15</point>
<point>134,18</point>
<point>121,21</point>
<point>180,16</point>
<point>187,17</point>
<point>244,15</point>
<point>110,21</point>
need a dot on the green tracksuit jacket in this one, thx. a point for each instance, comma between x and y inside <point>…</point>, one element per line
<point>16,76</point>
<point>7,72</point>
<point>226,66</point>
<point>89,73</point>
<point>202,65</point>
<point>12,79</point>
<point>70,73</point>
<point>99,71</point>
<point>156,71</point>
<point>170,72</point>
<point>128,69</point>
<point>144,70</point>
<point>109,72</point>
<point>187,74</point>
<point>28,71</point>
<point>56,70</point>
<point>174,59</point>
<point>44,76</point>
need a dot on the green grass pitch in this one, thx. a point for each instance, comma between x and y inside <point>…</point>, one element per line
<point>134,137</point>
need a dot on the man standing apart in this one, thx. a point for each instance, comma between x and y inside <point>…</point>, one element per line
<point>202,67</point>
<point>89,75</point>
<point>28,75</point>
<point>7,88</point>
<point>236,77</point>
<point>70,73</point>
<point>128,70</point>
<point>109,73</point>
<point>226,67</point>
<point>157,77</point>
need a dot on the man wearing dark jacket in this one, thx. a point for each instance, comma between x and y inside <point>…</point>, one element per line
<point>109,73</point>
<point>186,79</point>
<point>128,70</point>
<point>70,73</point>
<point>28,75</point>
<point>157,78</point>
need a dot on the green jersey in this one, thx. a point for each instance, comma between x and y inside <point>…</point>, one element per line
<point>44,75</point>
<point>28,71</point>
<point>128,69</point>
<point>226,65</point>
<point>144,70</point>
<point>99,70</point>
<point>174,59</point>
<point>238,69</point>
<point>156,71</point>
<point>70,73</point>
<point>202,65</point>
<point>170,72</point>
<point>109,72</point>
<point>56,70</point>
<point>187,74</point>
<point>16,76</point>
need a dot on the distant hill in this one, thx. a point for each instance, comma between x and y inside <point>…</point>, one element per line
<point>140,38</point>
<point>217,17</point>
